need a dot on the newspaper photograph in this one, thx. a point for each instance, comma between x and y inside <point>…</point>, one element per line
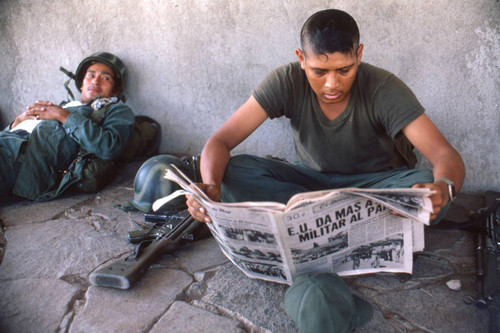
<point>249,239</point>
<point>355,235</point>
<point>346,231</point>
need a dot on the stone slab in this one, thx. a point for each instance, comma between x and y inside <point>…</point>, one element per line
<point>196,257</point>
<point>431,308</point>
<point>258,302</point>
<point>35,305</point>
<point>61,247</point>
<point>25,212</point>
<point>186,318</point>
<point>134,310</point>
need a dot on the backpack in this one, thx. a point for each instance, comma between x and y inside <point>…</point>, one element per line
<point>144,141</point>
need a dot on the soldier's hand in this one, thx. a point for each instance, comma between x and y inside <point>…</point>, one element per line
<point>439,198</point>
<point>48,110</point>
<point>196,210</point>
<point>26,115</point>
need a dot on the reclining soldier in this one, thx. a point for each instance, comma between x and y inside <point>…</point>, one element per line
<point>39,146</point>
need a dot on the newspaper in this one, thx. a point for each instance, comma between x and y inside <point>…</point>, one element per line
<point>347,231</point>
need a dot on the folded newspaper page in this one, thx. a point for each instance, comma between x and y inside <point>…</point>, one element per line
<point>347,231</point>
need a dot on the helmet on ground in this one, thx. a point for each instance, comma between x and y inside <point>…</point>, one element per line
<point>151,185</point>
<point>108,59</point>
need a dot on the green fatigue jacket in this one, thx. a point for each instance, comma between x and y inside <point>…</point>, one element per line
<point>43,155</point>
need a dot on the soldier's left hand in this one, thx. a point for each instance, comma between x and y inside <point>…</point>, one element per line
<point>439,198</point>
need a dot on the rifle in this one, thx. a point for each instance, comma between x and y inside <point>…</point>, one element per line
<point>485,224</point>
<point>488,259</point>
<point>171,232</point>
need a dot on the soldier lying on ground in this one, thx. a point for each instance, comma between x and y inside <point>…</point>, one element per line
<point>38,147</point>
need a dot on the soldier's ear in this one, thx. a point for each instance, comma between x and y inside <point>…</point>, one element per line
<point>302,58</point>
<point>117,89</point>
<point>359,53</point>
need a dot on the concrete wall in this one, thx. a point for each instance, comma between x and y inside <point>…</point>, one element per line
<point>192,63</point>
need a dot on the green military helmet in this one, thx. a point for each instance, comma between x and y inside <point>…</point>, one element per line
<point>108,59</point>
<point>151,185</point>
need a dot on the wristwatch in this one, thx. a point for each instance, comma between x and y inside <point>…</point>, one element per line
<point>451,188</point>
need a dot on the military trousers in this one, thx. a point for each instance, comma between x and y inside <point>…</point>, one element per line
<point>12,146</point>
<point>252,178</point>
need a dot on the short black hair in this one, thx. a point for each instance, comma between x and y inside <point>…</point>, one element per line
<point>329,31</point>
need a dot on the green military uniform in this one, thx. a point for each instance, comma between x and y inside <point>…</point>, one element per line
<point>33,164</point>
<point>360,139</point>
<point>356,149</point>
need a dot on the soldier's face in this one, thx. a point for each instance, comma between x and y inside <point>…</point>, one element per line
<point>99,81</point>
<point>331,77</point>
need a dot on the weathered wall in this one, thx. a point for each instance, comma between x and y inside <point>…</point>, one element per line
<point>192,63</point>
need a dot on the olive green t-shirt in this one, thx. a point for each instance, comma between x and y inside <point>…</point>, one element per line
<point>360,140</point>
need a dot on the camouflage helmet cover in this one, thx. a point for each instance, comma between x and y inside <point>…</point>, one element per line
<point>150,184</point>
<point>118,67</point>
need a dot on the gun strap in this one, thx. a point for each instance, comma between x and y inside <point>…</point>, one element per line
<point>66,84</point>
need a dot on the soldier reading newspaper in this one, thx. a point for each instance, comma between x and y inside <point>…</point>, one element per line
<point>345,231</point>
<point>354,125</point>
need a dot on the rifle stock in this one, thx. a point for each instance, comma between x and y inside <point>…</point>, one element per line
<point>124,274</point>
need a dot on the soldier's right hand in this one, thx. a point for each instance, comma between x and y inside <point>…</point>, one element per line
<point>196,210</point>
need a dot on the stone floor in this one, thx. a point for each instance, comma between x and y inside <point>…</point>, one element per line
<point>50,248</point>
